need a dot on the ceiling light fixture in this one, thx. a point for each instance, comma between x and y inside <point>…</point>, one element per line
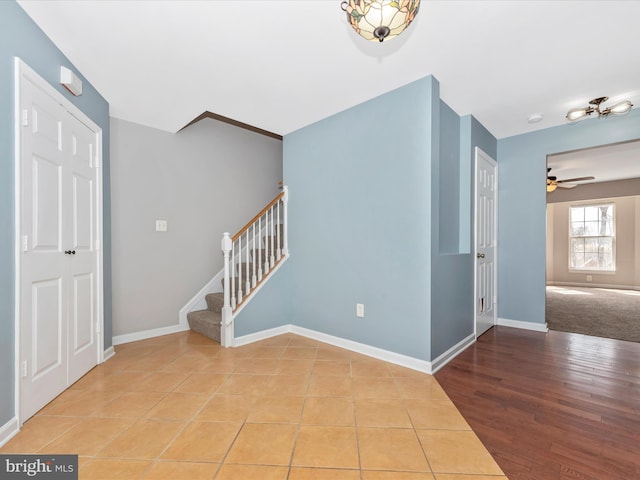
<point>380,19</point>
<point>594,106</point>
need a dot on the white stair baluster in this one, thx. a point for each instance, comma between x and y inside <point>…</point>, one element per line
<point>239,267</point>
<point>278,244</point>
<point>260,249</point>
<point>266,242</point>
<point>272,258</point>
<point>247,284</point>
<point>233,276</point>
<point>253,258</point>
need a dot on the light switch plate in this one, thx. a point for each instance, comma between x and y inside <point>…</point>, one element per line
<point>360,310</point>
<point>161,226</point>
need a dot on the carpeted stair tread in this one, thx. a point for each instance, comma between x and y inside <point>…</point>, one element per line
<point>206,323</point>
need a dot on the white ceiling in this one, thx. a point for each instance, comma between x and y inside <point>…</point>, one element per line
<point>282,64</point>
<point>607,163</point>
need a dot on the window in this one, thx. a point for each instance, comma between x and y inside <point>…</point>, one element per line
<point>591,238</point>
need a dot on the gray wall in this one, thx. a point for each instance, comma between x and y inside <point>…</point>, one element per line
<point>204,180</point>
<point>19,36</point>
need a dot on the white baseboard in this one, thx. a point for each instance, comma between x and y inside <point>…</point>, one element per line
<point>155,332</point>
<point>8,430</point>
<point>536,327</point>
<point>263,335</point>
<point>593,285</point>
<point>450,354</point>
<point>375,352</point>
<point>108,353</point>
<point>379,353</point>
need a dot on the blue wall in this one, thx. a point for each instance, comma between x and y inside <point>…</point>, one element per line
<point>360,221</point>
<point>447,180</point>
<point>522,206</point>
<point>472,135</point>
<point>452,265</point>
<point>270,308</point>
<point>381,206</point>
<point>20,37</point>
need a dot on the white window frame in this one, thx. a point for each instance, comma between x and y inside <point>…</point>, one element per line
<point>613,238</point>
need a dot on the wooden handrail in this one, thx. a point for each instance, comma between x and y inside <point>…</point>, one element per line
<point>253,220</point>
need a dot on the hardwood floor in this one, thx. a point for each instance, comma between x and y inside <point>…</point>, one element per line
<point>551,406</point>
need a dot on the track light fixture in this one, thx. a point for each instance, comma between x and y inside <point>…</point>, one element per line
<point>595,106</point>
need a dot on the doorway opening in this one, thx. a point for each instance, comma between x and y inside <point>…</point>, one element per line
<point>593,241</point>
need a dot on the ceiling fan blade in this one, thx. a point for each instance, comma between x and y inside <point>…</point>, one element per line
<point>567,185</point>
<point>578,179</point>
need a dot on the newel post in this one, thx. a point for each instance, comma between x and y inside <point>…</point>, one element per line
<point>285,228</point>
<point>226,325</point>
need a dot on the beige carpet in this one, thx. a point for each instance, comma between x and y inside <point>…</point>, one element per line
<point>595,311</point>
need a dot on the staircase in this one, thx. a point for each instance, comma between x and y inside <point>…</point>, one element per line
<point>207,322</point>
<point>251,256</point>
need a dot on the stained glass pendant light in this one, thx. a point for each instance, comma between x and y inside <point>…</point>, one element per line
<point>380,19</point>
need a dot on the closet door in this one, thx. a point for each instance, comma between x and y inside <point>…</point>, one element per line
<point>44,283</point>
<point>59,259</point>
<point>81,239</point>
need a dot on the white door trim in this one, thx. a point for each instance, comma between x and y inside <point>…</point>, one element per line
<point>22,70</point>
<point>477,152</point>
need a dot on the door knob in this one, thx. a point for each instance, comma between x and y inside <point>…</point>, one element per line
<point>480,255</point>
<point>70,252</point>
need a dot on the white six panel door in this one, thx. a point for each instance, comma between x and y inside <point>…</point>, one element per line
<point>58,289</point>
<point>82,305</point>
<point>44,287</point>
<point>486,191</point>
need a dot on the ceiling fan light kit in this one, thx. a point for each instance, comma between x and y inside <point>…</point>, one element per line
<point>595,106</point>
<point>553,182</point>
<point>379,20</point>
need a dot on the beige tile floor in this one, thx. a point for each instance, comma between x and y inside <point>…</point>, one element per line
<point>287,408</point>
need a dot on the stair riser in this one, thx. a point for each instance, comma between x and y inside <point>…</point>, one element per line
<point>206,323</point>
<point>260,255</point>
<point>215,301</point>
<point>238,285</point>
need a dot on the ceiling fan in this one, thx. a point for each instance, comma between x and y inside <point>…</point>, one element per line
<point>553,182</point>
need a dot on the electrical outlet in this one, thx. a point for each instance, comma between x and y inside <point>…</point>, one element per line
<point>360,310</point>
<point>589,278</point>
<point>161,226</point>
